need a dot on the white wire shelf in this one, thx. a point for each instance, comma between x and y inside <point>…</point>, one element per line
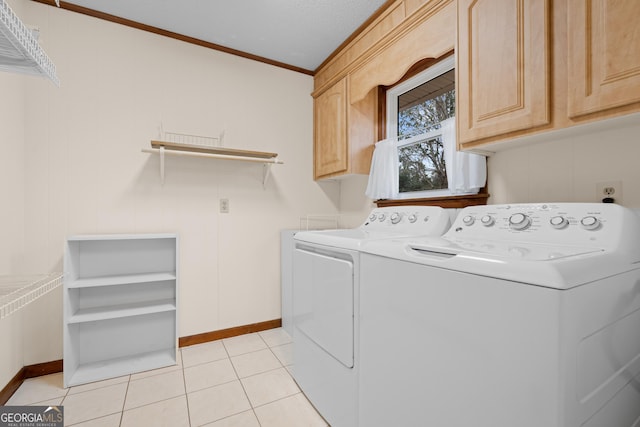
<point>188,139</point>
<point>19,291</point>
<point>19,48</point>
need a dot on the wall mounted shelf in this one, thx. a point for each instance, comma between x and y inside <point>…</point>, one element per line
<point>175,149</point>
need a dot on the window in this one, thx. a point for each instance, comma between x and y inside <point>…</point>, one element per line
<point>416,109</point>
<point>418,162</point>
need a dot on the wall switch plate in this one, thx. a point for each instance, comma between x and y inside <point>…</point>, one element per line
<point>609,189</point>
<point>224,205</point>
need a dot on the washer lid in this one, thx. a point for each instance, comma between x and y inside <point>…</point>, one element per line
<point>551,266</point>
<point>504,250</point>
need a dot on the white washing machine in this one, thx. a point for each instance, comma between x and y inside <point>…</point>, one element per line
<point>325,304</point>
<point>519,316</point>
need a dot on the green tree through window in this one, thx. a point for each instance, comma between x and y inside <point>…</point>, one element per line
<point>422,164</point>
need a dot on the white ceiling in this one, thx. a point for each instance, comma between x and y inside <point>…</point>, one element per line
<point>300,33</point>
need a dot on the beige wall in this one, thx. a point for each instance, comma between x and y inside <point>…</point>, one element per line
<point>567,167</point>
<point>75,166</point>
<point>354,205</point>
<point>12,178</point>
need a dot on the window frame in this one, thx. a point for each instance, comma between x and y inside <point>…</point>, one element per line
<point>392,96</point>
<point>420,73</point>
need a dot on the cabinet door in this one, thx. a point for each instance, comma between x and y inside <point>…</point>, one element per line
<point>330,131</point>
<point>503,82</point>
<point>604,55</point>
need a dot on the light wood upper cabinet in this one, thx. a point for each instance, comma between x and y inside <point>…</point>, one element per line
<point>502,71</point>
<point>603,55</point>
<point>433,36</point>
<point>344,132</point>
<point>346,116</point>
<point>330,131</point>
<point>528,67</point>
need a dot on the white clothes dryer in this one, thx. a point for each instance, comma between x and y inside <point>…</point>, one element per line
<point>520,315</point>
<point>325,304</point>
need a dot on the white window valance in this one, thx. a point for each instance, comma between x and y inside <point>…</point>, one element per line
<point>466,172</point>
<point>383,178</point>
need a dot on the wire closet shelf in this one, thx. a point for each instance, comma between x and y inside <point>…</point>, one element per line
<point>18,291</point>
<point>19,48</point>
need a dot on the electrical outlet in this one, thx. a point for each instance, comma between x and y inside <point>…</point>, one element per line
<point>224,205</point>
<point>609,189</point>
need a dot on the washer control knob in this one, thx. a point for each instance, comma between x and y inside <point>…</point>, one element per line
<point>372,217</point>
<point>381,217</point>
<point>395,218</point>
<point>412,218</point>
<point>559,222</point>
<point>519,221</point>
<point>590,222</point>
<point>487,220</point>
<point>468,220</point>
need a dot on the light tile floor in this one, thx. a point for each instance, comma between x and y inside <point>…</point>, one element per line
<point>236,382</point>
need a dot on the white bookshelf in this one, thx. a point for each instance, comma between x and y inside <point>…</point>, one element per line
<point>120,305</point>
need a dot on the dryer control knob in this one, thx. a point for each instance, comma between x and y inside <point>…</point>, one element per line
<point>412,218</point>
<point>519,221</point>
<point>590,222</point>
<point>372,217</point>
<point>395,218</point>
<point>381,217</point>
<point>559,222</point>
<point>468,220</point>
<point>487,220</point>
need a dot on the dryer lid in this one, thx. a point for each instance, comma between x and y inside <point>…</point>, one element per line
<point>348,238</point>
<point>383,223</point>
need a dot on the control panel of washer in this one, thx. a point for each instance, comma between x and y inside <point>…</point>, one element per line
<point>562,223</point>
<point>409,218</point>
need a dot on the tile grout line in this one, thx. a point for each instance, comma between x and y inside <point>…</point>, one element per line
<point>253,409</point>
<point>277,358</point>
<point>186,394</point>
<point>208,361</point>
<point>241,384</point>
<point>228,382</point>
<point>157,401</point>
<point>37,403</point>
<point>124,401</point>
<point>103,416</point>
<point>289,373</point>
<point>126,393</point>
<point>200,364</point>
<point>283,398</point>
<point>284,366</point>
